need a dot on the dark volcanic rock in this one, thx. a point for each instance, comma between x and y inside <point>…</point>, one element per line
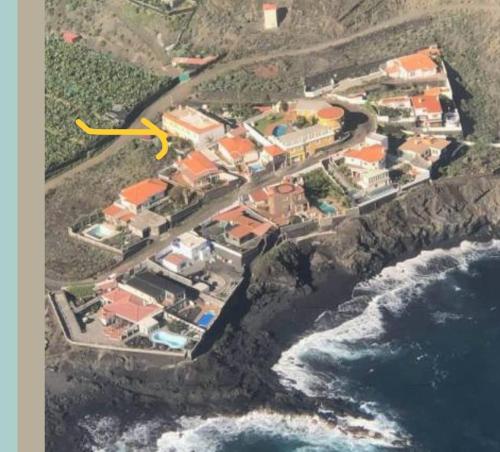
<point>236,376</point>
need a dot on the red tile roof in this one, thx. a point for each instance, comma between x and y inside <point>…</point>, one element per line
<point>238,216</point>
<point>273,150</point>
<point>119,213</point>
<point>197,165</point>
<point>70,37</point>
<point>334,113</point>
<point>175,258</point>
<point>416,61</point>
<point>269,6</point>
<point>259,195</point>
<point>139,193</point>
<point>370,154</point>
<point>429,103</point>
<point>127,306</point>
<point>237,146</point>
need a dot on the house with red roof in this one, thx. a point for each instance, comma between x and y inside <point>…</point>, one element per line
<point>367,166</point>
<point>280,202</point>
<point>125,314</point>
<point>274,155</point>
<point>237,234</point>
<point>419,65</point>
<point>142,195</point>
<point>197,170</point>
<point>238,151</point>
<point>428,110</point>
<point>71,37</point>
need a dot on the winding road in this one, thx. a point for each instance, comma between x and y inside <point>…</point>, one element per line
<point>181,93</point>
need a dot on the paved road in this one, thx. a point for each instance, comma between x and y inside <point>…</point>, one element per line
<point>182,92</point>
<point>207,210</point>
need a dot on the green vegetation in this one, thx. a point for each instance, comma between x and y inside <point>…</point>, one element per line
<point>394,113</point>
<point>262,124</point>
<point>82,83</point>
<point>478,159</point>
<point>81,292</point>
<point>318,186</point>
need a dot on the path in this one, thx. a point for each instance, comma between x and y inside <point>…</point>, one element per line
<point>181,92</point>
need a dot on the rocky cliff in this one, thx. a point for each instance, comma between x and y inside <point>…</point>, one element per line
<point>282,300</point>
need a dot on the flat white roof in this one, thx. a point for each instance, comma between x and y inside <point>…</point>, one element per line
<point>190,239</point>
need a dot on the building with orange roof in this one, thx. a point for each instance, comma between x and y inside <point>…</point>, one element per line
<point>118,215</point>
<point>238,151</point>
<point>280,202</point>
<point>419,65</point>
<point>367,166</point>
<point>193,125</point>
<point>237,234</point>
<point>395,102</point>
<point>71,37</point>
<point>132,312</point>
<point>427,109</point>
<point>274,155</point>
<point>197,170</point>
<point>424,147</point>
<point>142,195</point>
<point>367,157</point>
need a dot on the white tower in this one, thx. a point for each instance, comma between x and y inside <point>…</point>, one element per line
<point>270,16</point>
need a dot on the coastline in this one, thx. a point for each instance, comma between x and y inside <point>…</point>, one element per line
<point>236,376</point>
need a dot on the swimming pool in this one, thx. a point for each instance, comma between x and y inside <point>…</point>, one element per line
<point>280,130</point>
<point>100,232</point>
<point>256,167</point>
<point>206,319</point>
<point>169,339</point>
<point>327,208</point>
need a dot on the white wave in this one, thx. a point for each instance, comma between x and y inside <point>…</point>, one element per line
<point>107,435</point>
<point>301,366</point>
<point>294,432</point>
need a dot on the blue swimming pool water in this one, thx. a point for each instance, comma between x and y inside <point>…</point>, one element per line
<point>100,231</point>
<point>256,167</point>
<point>327,208</point>
<point>169,339</point>
<point>206,319</point>
<point>280,130</point>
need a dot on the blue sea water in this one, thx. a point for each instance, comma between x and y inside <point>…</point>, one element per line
<point>418,354</point>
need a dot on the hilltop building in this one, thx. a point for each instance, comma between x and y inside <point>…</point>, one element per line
<point>270,16</point>
<point>418,65</point>
<point>197,170</point>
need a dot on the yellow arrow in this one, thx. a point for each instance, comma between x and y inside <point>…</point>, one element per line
<point>151,130</point>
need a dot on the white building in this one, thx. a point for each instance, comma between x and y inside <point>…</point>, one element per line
<point>270,16</point>
<point>187,254</point>
<point>193,125</point>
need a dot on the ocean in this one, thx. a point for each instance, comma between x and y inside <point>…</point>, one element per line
<point>415,350</point>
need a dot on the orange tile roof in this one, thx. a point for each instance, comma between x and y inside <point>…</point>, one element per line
<point>238,216</point>
<point>332,112</point>
<point>420,144</point>
<point>429,103</point>
<point>119,213</point>
<point>175,258</point>
<point>197,165</point>
<point>370,154</point>
<point>416,61</point>
<point>269,6</point>
<point>128,306</point>
<point>433,91</point>
<point>139,193</point>
<point>259,195</point>
<point>273,150</point>
<point>237,146</point>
